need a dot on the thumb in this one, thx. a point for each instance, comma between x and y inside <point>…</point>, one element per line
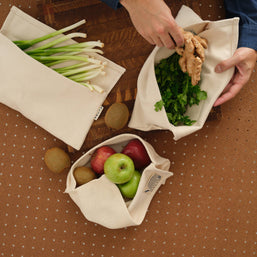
<point>226,64</point>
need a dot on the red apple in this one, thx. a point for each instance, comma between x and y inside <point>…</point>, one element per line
<point>137,152</point>
<point>99,157</point>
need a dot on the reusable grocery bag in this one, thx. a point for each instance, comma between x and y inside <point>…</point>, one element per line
<point>100,200</point>
<point>222,39</point>
<point>62,107</point>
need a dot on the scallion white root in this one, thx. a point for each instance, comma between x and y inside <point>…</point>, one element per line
<point>93,87</point>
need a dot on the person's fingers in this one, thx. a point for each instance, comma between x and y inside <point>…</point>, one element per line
<point>167,41</point>
<point>230,83</point>
<point>149,39</point>
<point>157,41</point>
<point>243,60</point>
<point>226,64</point>
<point>222,99</point>
<point>229,94</point>
<point>233,87</point>
<point>177,34</point>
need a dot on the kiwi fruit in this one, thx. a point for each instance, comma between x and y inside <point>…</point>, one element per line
<point>57,160</point>
<point>117,116</point>
<point>83,175</point>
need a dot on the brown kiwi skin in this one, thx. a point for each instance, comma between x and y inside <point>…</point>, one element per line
<point>57,160</point>
<point>117,116</point>
<point>83,175</point>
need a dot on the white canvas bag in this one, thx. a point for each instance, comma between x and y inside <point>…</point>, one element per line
<point>100,200</point>
<point>62,107</point>
<point>222,39</point>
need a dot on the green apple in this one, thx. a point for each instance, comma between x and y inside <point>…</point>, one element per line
<point>129,189</point>
<point>119,168</point>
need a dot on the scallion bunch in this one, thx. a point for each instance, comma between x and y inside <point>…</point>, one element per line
<point>50,54</point>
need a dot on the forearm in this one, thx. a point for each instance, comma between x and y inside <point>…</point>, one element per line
<point>246,10</point>
<point>112,3</point>
<point>145,4</point>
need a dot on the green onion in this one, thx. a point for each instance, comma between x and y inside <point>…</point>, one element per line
<point>67,68</point>
<point>56,50</point>
<point>87,75</point>
<point>24,44</point>
<point>65,58</point>
<point>60,40</point>
<point>80,70</point>
<point>50,54</point>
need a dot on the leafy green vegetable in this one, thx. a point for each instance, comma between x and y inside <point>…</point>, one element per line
<point>158,106</point>
<point>176,90</point>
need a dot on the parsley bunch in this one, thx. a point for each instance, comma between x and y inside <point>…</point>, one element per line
<point>176,90</point>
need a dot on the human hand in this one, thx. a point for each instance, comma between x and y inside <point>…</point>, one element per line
<point>154,21</point>
<point>244,60</point>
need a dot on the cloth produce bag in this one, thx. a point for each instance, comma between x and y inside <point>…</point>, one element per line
<point>222,39</point>
<point>100,200</point>
<point>62,107</point>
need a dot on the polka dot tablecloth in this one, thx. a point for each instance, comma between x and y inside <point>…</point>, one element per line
<point>208,208</point>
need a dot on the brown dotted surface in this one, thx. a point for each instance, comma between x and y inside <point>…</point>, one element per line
<point>208,208</point>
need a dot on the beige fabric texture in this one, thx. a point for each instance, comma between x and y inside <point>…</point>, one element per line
<point>222,39</point>
<point>100,200</point>
<point>62,107</point>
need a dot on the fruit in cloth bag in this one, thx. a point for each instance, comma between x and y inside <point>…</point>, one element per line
<point>129,189</point>
<point>99,157</point>
<point>137,152</point>
<point>106,203</point>
<point>119,168</point>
